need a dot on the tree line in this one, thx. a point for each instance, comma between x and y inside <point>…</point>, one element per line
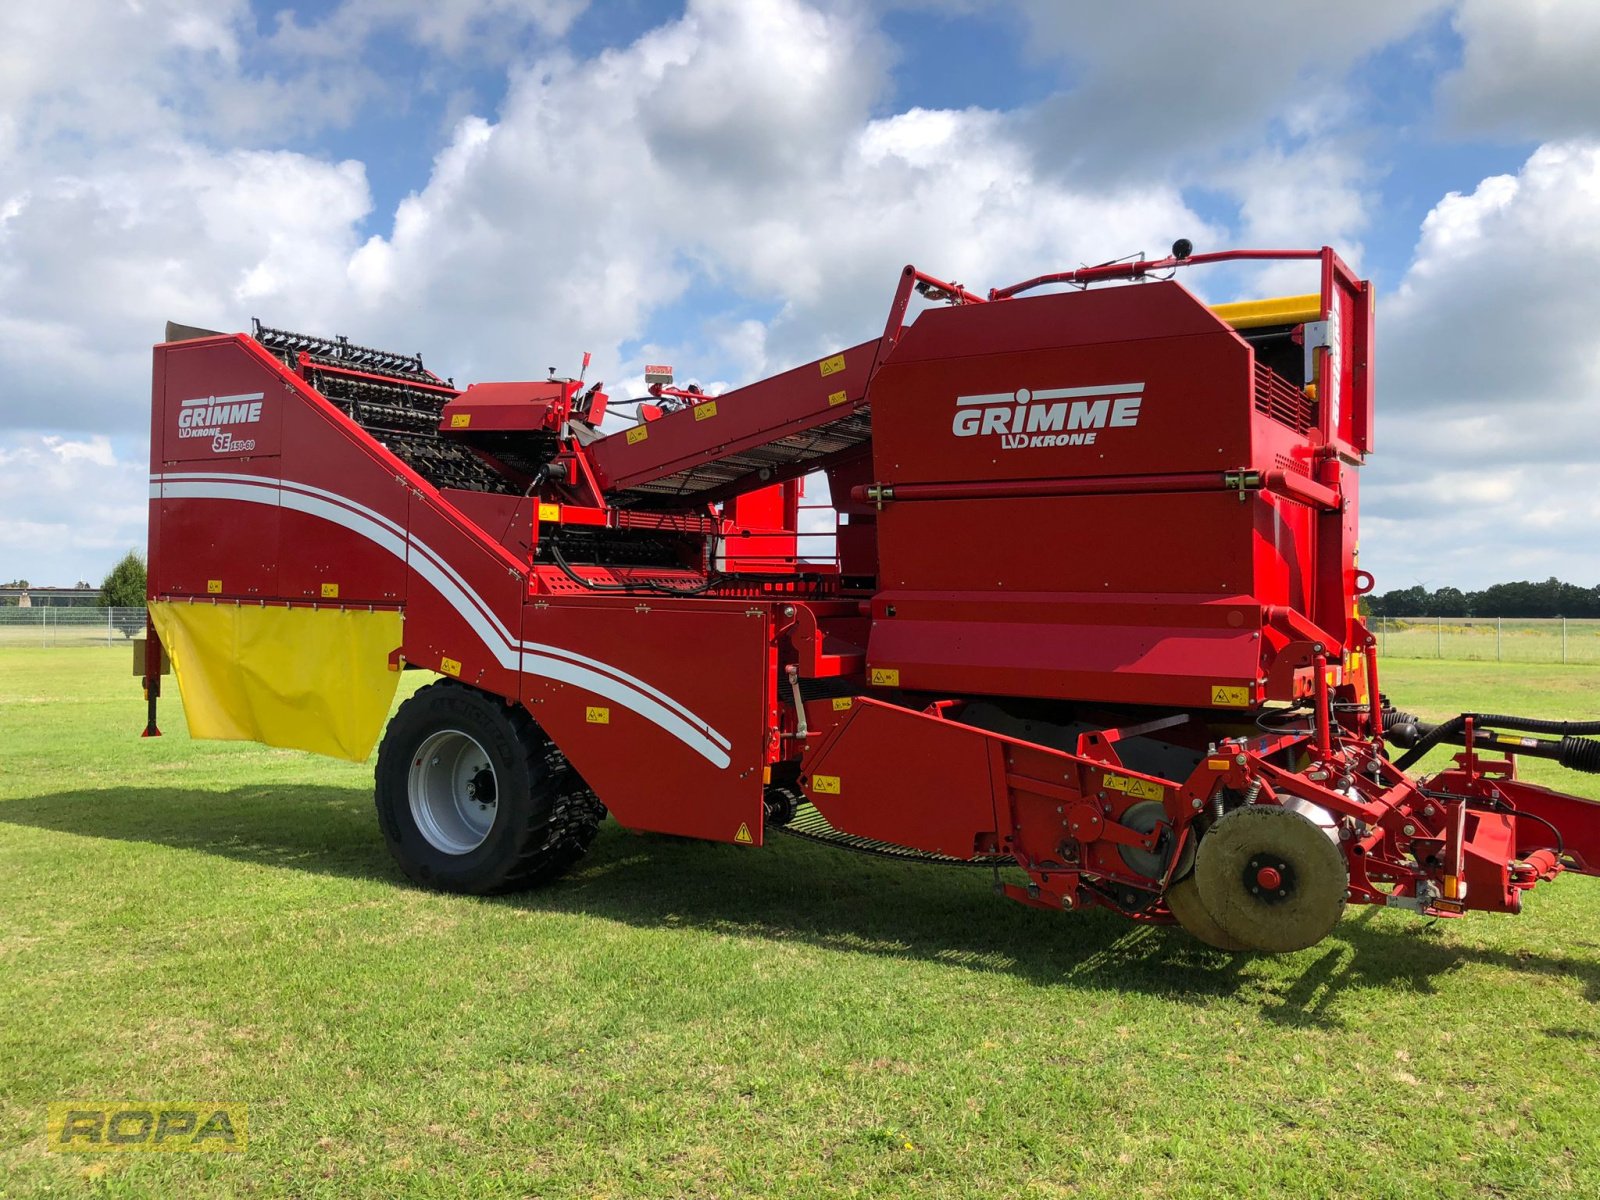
<point>1525,598</point>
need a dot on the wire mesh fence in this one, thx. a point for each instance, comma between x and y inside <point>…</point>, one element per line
<point>48,626</point>
<point>1490,639</point>
<point>1485,639</point>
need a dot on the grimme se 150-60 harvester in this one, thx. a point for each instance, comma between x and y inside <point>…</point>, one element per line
<point>1091,610</point>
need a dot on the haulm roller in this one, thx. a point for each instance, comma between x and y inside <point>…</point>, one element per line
<point>1089,612</point>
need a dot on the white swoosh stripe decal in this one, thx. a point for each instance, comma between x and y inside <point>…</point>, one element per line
<point>533,658</point>
<point>461,586</point>
<point>623,677</point>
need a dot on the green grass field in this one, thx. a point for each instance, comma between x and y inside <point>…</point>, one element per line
<point>203,921</point>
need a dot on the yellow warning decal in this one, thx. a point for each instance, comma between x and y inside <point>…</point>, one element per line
<point>743,836</point>
<point>449,666</point>
<point>597,715</point>
<point>460,420</point>
<point>638,434</point>
<point>705,410</point>
<point>884,676</point>
<point>549,512</point>
<point>330,591</point>
<point>837,398</point>
<point>1144,789</point>
<point>1230,697</point>
<point>832,366</point>
<point>826,784</point>
<point>842,703</point>
<point>214,586</point>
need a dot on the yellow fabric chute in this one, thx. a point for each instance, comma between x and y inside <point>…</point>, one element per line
<point>301,678</point>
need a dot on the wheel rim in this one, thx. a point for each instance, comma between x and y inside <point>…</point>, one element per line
<point>453,792</point>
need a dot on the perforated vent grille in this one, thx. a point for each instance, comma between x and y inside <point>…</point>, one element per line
<point>1281,400</point>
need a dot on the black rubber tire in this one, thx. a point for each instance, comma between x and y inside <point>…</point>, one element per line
<point>545,815</point>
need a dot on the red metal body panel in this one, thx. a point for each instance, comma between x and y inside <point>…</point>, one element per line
<point>1095,582</point>
<point>663,706</point>
<point>742,419</point>
<point>492,407</point>
<point>894,775</point>
<point>761,529</point>
<point>1149,649</point>
<point>1146,383</point>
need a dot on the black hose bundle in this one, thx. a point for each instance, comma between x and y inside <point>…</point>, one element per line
<point>1581,752</point>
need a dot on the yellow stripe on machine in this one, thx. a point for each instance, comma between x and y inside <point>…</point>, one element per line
<point>1279,310</point>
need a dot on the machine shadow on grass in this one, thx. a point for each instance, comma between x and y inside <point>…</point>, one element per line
<point>797,891</point>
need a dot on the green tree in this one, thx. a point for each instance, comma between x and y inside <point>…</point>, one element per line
<point>1402,602</point>
<point>124,587</point>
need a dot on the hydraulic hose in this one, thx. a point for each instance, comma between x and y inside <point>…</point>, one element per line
<point>1572,751</point>
<point>1579,754</point>
<point>659,588</point>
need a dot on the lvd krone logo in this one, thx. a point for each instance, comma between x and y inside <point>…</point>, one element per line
<point>216,417</point>
<point>1049,416</point>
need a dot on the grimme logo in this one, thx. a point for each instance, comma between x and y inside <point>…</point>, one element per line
<point>1050,416</point>
<point>216,416</point>
<point>93,1127</point>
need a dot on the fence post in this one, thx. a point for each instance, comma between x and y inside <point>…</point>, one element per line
<point>1439,634</point>
<point>1498,656</point>
<point>1563,640</point>
<point>109,613</point>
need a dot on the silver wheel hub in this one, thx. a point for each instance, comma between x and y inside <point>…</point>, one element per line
<point>453,791</point>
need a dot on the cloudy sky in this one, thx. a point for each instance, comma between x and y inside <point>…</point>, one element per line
<point>732,185</point>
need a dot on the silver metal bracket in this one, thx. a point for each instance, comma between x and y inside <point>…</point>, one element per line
<point>1316,335</point>
<point>1242,481</point>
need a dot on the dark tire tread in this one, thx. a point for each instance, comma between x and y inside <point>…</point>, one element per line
<point>545,849</point>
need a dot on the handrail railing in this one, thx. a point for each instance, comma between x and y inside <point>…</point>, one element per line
<point>1142,267</point>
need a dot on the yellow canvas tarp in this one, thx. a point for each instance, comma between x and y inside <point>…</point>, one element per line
<point>302,678</point>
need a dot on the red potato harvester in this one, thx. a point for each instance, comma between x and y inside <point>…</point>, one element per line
<point>1091,610</point>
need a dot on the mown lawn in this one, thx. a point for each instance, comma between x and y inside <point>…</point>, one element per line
<point>203,921</point>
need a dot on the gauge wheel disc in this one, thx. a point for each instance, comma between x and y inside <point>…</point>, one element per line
<point>1142,818</point>
<point>1271,879</point>
<point>1183,900</point>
